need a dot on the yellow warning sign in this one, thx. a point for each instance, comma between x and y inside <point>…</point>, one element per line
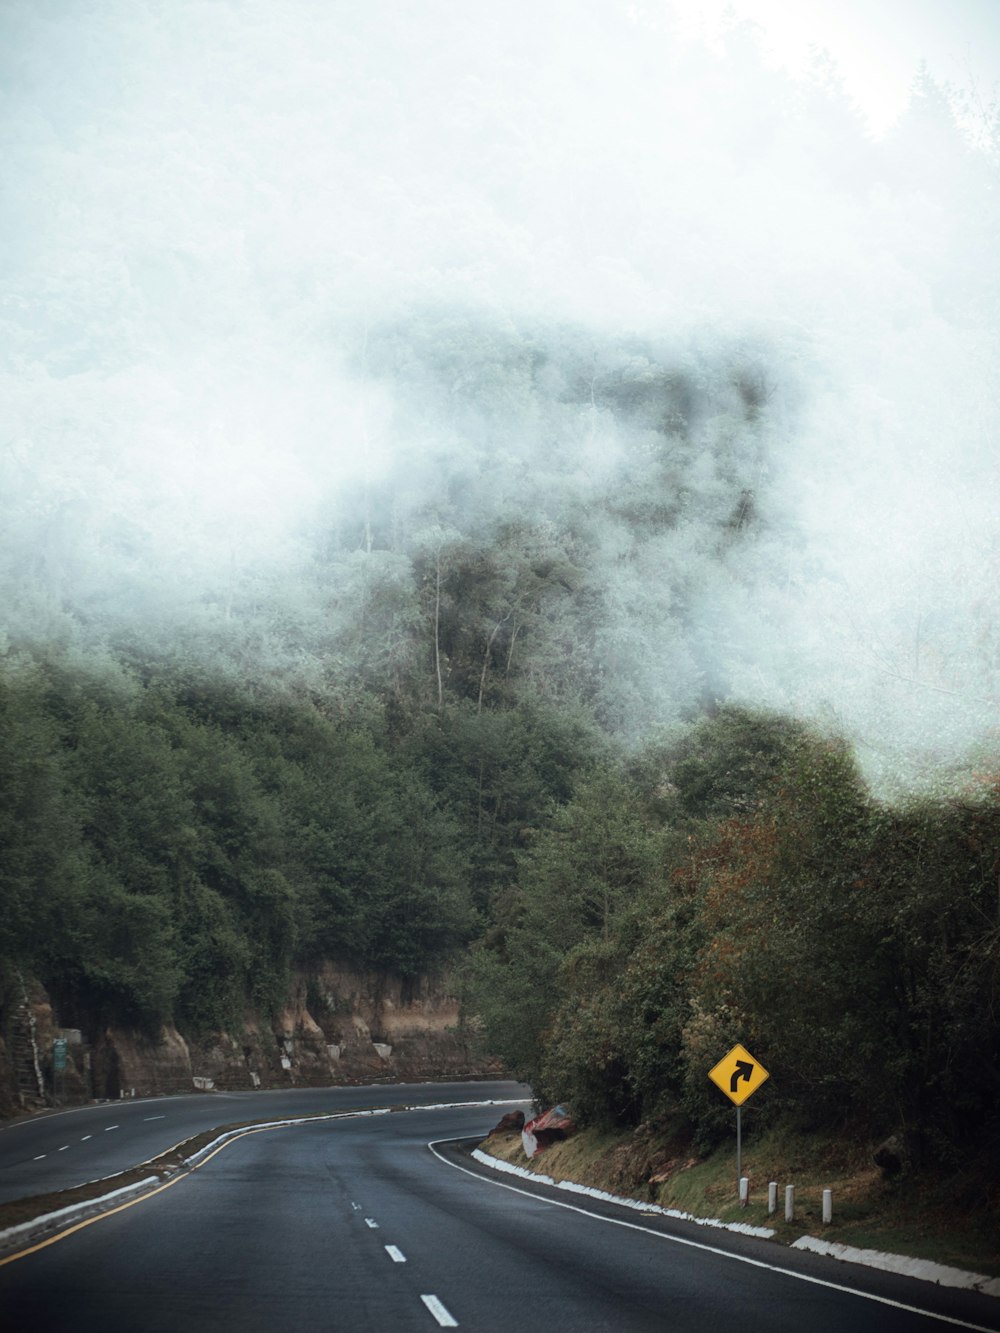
<point>738,1074</point>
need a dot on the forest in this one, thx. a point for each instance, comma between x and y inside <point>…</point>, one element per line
<point>173,845</point>
<point>628,645</point>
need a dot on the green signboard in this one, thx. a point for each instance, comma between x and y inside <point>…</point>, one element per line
<point>59,1054</point>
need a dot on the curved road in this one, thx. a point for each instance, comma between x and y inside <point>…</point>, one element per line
<point>55,1152</point>
<point>359,1225</point>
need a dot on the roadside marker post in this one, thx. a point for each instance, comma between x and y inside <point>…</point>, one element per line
<point>738,1075</point>
<point>59,1045</point>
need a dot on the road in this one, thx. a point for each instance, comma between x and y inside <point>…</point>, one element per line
<point>55,1152</point>
<point>359,1225</point>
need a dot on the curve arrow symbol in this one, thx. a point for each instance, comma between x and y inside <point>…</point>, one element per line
<point>743,1070</point>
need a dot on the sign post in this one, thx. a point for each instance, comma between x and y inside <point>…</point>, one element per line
<point>58,1066</point>
<point>739,1076</point>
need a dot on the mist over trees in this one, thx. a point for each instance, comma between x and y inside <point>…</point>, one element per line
<point>461,499</point>
<point>256,255</point>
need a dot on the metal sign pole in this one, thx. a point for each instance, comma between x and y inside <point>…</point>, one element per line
<point>738,1075</point>
<point>739,1147</point>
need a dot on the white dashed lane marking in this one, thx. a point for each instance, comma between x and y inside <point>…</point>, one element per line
<point>445,1320</point>
<point>397,1256</point>
<point>370,1222</point>
<point>108,1128</point>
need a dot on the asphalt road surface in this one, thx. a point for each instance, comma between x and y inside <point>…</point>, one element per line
<point>57,1151</point>
<point>359,1225</point>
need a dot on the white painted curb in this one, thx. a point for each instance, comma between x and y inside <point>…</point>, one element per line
<point>571,1187</point>
<point>75,1209</point>
<point>924,1269</point>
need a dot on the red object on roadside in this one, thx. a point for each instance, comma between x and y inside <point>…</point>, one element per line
<point>545,1130</point>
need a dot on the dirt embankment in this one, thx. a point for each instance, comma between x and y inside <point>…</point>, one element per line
<point>339,1025</point>
<point>931,1214</point>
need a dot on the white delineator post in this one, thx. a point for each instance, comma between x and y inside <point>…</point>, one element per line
<point>744,1191</point>
<point>772,1198</point>
<point>828,1205</point>
<point>789,1203</point>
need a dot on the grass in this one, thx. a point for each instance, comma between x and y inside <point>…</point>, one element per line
<point>914,1216</point>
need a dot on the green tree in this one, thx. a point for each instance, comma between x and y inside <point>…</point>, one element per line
<point>576,881</point>
<point>41,851</point>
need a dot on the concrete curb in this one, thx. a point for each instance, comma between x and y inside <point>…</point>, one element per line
<point>923,1269</point>
<point>75,1211</point>
<point>571,1187</point>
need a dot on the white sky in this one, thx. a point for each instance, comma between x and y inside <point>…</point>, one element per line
<point>877,44</point>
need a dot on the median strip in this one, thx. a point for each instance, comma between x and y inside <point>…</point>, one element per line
<point>73,1212</point>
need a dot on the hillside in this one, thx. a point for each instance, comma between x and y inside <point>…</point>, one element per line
<point>506,525</point>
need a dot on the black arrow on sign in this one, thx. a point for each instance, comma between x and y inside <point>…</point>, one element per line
<point>743,1070</point>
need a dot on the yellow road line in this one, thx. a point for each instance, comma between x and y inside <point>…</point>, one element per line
<point>253,1129</point>
<point>119,1208</point>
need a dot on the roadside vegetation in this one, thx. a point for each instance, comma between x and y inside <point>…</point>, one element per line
<point>571,693</point>
<point>928,1215</point>
<point>176,845</point>
<point>753,891</point>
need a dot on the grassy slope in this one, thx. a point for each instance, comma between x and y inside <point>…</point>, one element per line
<point>918,1217</point>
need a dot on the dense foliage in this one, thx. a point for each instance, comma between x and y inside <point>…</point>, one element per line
<point>758,895</point>
<point>416,446</point>
<point>172,846</point>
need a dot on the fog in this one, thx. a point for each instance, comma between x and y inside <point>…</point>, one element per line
<point>260,257</point>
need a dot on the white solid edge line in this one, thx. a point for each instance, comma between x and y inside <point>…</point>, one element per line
<point>445,1320</point>
<point>105,1103</point>
<point>925,1270</point>
<point>712,1249</point>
